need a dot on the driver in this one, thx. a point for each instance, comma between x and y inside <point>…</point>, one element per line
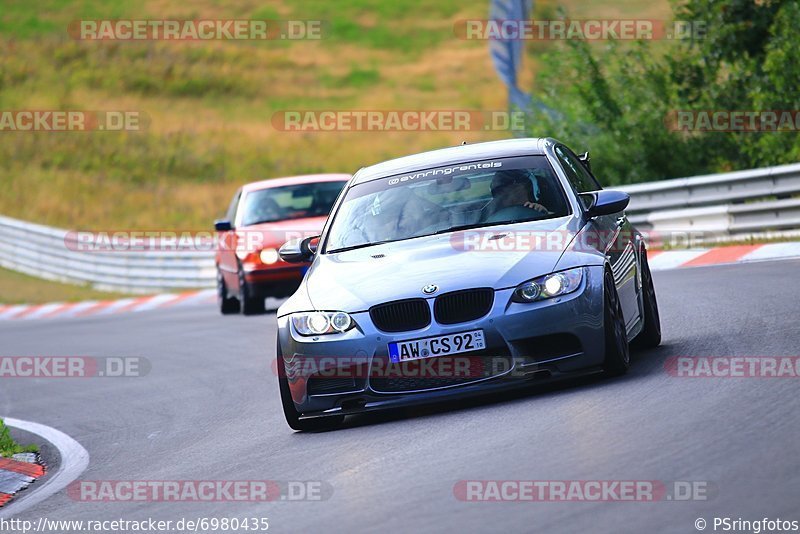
<point>264,210</point>
<point>511,188</point>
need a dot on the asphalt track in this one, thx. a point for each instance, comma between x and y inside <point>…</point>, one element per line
<point>209,410</point>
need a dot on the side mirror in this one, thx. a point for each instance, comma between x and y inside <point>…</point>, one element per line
<point>298,250</point>
<point>223,225</point>
<point>606,202</point>
<point>586,160</point>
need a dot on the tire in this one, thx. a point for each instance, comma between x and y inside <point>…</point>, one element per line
<point>251,304</point>
<point>618,357</point>
<point>227,305</point>
<point>650,336</point>
<point>289,410</point>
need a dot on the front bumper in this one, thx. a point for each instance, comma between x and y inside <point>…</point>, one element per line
<point>549,339</point>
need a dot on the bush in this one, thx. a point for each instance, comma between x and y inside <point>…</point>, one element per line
<point>615,100</point>
<point>9,447</point>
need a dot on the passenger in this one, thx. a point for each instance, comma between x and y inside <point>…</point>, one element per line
<point>401,212</point>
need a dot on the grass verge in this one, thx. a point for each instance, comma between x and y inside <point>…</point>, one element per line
<point>18,288</point>
<point>9,447</point>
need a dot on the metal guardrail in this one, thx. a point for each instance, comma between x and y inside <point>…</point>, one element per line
<point>730,205</point>
<point>53,254</point>
<point>734,203</point>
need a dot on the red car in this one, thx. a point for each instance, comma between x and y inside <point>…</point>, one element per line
<point>262,216</point>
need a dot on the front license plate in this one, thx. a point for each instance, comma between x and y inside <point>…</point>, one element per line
<point>431,347</point>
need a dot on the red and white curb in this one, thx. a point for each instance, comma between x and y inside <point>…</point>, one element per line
<point>17,473</point>
<point>659,261</point>
<point>109,307</point>
<point>675,259</point>
<point>74,460</point>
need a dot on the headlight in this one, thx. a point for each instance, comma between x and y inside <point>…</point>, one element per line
<point>318,323</point>
<point>552,285</point>
<point>268,256</point>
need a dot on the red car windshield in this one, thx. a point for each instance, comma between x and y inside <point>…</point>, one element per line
<point>289,202</point>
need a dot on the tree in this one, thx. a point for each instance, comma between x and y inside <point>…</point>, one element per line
<point>613,99</point>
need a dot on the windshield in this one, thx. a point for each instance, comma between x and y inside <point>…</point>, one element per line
<point>290,202</point>
<point>447,199</point>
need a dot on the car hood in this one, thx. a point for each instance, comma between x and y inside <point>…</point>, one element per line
<point>355,280</point>
<point>275,234</point>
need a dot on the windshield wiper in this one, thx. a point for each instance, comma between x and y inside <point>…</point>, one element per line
<point>265,221</point>
<point>362,245</point>
<point>461,227</point>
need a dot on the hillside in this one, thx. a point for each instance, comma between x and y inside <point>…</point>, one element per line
<point>209,105</point>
